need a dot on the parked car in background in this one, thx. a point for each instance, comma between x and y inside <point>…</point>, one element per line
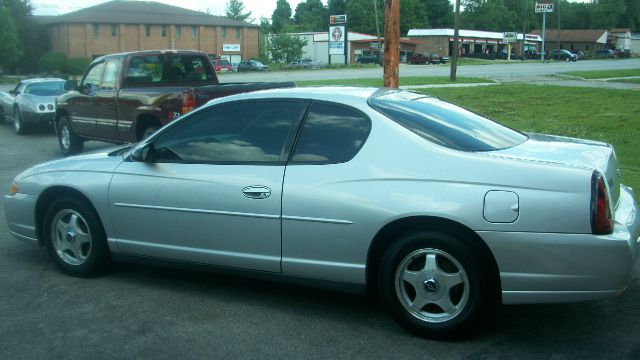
<point>31,103</point>
<point>428,58</point>
<point>125,97</point>
<point>252,65</point>
<point>562,54</point>
<point>222,65</point>
<point>604,53</point>
<point>442,212</point>
<point>369,59</point>
<point>622,53</point>
<point>304,63</point>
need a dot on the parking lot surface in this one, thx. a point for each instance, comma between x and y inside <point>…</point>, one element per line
<point>139,311</point>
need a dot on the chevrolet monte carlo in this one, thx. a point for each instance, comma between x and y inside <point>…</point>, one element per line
<point>443,213</point>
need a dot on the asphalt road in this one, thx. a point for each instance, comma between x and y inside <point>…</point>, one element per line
<point>141,311</point>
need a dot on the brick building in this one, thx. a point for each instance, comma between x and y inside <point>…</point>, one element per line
<point>119,26</point>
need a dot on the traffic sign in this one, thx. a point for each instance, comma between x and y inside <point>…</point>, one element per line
<point>544,7</point>
<point>509,37</point>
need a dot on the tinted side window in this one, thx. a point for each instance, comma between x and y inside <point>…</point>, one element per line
<point>93,76</point>
<point>241,132</point>
<point>331,134</point>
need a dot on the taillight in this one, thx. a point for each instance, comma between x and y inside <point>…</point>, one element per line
<point>188,102</point>
<point>601,215</point>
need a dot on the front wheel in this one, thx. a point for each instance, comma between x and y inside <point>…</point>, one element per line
<point>69,143</point>
<point>75,238</point>
<point>434,285</point>
<point>18,124</point>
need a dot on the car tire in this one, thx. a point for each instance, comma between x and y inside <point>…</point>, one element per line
<point>75,238</point>
<point>19,125</point>
<point>69,143</point>
<point>435,285</point>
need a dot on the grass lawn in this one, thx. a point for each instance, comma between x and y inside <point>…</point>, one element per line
<point>415,80</point>
<point>604,74</point>
<point>599,114</point>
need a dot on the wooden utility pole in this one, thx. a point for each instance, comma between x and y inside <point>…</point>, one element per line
<point>456,42</point>
<point>391,40</point>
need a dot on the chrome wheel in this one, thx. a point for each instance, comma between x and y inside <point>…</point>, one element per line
<point>71,237</point>
<point>65,137</point>
<point>431,285</point>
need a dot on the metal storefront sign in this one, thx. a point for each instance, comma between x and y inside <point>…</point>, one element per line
<point>230,47</point>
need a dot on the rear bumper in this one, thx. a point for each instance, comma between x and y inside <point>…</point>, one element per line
<point>555,267</point>
<point>38,118</point>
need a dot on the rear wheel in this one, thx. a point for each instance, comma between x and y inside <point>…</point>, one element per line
<point>434,285</point>
<point>69,143</point>
<point>75,238</point>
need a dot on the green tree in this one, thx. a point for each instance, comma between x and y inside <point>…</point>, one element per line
<point>489,15</point>
<point>8,40</point>
<point>361,16</point>
<point>631,18</point>
<point>284,47</point>
<point>311,15</point>
<point>337,7</point>
<point>439,13</point>
<point>77,65</point>
<point>608,14</point>
<point>234,10</point>
<point>413,15</point>
<point>281,16</point>
<point>32,38</point>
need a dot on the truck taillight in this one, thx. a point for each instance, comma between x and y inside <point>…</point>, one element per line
<point>601,215</point>
<point>188,102</point>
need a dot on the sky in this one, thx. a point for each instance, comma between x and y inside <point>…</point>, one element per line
<point>258,8</point>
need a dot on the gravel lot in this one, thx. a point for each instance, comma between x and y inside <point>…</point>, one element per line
<point>141,311</point>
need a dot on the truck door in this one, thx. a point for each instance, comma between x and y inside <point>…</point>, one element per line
<point>82,107</point>
<point>106,101</point>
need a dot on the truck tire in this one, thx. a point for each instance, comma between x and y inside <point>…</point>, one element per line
<point>69,143</point>
<point>19,125</point>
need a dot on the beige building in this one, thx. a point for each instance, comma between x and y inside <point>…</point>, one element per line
<point>119,26</point>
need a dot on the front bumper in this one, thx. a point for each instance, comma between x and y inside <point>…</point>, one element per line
<point>556,267</point>
<point>19,211</point>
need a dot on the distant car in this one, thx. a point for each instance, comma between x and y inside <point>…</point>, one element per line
<point>428,58</point>
<point>252,65</point>
<point>234,67</point>
<point>222,65</point>
<point>561,54</point>
<point>30,103</point>
<point>304,63</point>
<point>445,213</point>
<point>369,59</point>
<point>605,53</point>
<point>622,53</point>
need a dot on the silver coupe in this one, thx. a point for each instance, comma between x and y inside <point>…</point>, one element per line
<point>31,103</point>
<point>443,213</point>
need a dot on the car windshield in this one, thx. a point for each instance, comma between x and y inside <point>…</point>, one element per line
<point>443,123</point>
<point>50,88</point>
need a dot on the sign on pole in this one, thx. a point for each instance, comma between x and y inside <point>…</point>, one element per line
<point>509,37</point>
<point>338,36</point>
<point>544,7</point>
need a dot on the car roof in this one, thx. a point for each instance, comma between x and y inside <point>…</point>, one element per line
<point>40,80</point>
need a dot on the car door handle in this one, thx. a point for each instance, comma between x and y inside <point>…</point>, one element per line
<point>256,192</point>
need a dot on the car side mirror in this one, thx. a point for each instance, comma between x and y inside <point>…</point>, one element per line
<point>12,92</point>
<point>70,85</point>
<point>144,153</point>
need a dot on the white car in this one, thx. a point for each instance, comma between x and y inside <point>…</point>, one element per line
<point>32,103</point>
<point>444,213</point>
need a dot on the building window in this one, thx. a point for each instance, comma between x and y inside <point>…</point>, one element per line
<point>178,31</point>
<point>96,30</point>
<point>163,31</point>
<point>147,30</point>
<point>114,30</point>
<point>237,33</point>
<point>223,33</point>
<point>194,32</point>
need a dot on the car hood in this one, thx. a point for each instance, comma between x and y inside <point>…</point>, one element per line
<point>570,152</point>
<point>105,160</point>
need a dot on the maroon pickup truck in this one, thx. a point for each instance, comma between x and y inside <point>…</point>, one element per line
<point>125,97</point>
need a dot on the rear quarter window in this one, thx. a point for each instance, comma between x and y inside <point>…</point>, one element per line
<point>445,124</point>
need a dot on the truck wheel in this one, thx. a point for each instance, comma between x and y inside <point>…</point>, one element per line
<point>18,125</point>
<point>69,143</point>
<point>75,238</point>
<point>434,285</point>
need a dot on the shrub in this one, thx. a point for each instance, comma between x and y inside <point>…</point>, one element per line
<point>53,62</point>
<point>77,65</point>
